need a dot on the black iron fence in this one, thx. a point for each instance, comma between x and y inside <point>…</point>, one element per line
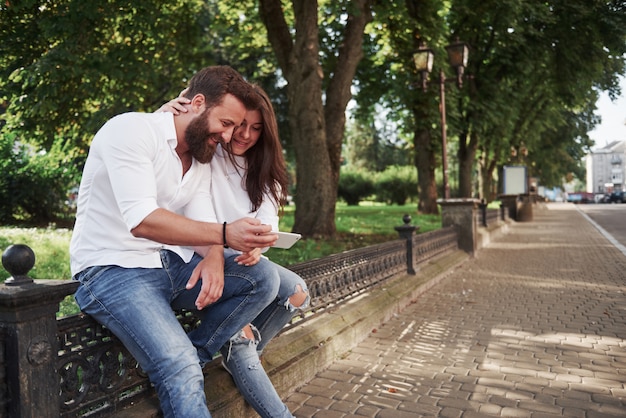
<point>93,375</point>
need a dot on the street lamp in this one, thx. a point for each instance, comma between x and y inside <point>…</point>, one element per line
<point>423,59</point>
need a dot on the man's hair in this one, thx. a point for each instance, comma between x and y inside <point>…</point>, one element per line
<point>217,81</point>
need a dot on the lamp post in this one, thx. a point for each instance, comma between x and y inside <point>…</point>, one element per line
<point>423,59</point>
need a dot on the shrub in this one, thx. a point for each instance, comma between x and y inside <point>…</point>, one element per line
<point>34,185</point>
<point>396,184</point>
<point>354,186</point>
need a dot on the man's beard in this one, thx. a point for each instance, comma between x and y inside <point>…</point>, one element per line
<point>200,139</point>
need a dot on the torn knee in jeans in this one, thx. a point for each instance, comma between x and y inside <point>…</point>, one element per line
<point>300,299</point>
<point>247,335</point>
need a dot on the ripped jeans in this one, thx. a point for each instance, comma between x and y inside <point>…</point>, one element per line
<point>241,355</point>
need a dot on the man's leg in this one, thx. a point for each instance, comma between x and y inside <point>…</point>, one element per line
<point>247,290</point>
<point>135,305</point>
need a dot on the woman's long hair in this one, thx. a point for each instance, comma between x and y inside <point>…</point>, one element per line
<point>267,170</point>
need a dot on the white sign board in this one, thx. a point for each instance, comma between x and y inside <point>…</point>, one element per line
<point>515,181</point>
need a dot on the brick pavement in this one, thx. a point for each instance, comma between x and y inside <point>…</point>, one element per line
<point>533,326</point>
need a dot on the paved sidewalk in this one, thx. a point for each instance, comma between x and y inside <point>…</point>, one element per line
<point>534,326</point>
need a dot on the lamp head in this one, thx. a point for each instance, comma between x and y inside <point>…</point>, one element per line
<point>423,59</point>
<point>458,54</point>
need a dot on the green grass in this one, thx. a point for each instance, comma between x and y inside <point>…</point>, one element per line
<point>357,226</point>
<point>51,245</point>
<point>52,260</point>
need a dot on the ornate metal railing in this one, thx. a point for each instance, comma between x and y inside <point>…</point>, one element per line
<point>487,217</point>
<point>79,364</point>
<point>338,277</point>
<point>98,376</point>
<point>433,244</point>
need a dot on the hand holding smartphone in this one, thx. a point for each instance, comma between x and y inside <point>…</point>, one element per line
<point>286,239</point>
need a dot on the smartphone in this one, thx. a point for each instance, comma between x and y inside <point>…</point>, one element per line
<point>286,239</point>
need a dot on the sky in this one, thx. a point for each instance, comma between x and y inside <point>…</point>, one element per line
<point>613,115</point>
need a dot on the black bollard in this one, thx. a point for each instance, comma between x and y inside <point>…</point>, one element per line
<point>483,212</point>
<point>406,231</point>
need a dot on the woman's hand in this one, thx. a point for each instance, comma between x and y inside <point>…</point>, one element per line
<point>250,258</point>
<point>177,105</point>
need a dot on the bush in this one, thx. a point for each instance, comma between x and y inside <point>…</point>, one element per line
<point>354,186</point>
<point>34,185</point>
<point>396,184</point>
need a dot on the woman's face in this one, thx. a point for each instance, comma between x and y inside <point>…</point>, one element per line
<point>248,133</point>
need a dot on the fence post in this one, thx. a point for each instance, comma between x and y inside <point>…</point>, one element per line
<point>28,316</point>
<point>406,232</point>
<point>510,203</point>
<point>483,212</point>
<point>461,213</point>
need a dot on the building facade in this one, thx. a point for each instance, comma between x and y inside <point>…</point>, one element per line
<point>606,167</point>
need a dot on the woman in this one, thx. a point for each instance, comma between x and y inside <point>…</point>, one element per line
<point>249,178</point>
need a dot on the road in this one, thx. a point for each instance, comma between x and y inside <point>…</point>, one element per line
<point>611,218</point>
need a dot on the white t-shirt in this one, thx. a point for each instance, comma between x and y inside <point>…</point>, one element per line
<point>132,170</point>
<point>230,198</point>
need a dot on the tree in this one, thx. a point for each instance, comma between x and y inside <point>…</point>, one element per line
<point>387,78</point>
<point>69,65</point>
<point>316,105</point>
<point>527,66</point>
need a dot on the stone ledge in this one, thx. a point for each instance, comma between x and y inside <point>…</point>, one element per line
<point>294,357</point>
<point>486,235</point>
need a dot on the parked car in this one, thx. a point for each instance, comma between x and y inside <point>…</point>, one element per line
<point>618,197</point>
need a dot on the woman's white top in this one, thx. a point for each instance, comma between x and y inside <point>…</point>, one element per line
<point>230,198</point>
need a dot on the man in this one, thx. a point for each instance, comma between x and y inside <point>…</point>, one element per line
<point>143,244</point>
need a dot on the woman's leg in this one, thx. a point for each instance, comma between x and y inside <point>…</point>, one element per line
<point>241,359</point>
<point>293,294</point>
<point>240,354</point>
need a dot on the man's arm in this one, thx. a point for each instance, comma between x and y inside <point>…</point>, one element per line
<point>170,228</point>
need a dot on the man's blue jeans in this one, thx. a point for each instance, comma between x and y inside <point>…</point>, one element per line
<point>137,304</point>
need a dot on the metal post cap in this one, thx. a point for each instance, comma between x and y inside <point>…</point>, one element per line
<point>18,260</point>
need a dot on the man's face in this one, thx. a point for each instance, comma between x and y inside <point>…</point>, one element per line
<point>200,140</point>
<point>213,126</point>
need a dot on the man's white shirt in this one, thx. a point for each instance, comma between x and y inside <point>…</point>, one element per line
<point>132,170</point>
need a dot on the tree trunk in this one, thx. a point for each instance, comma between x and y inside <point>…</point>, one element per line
<point>466,156</point>
<point>425,162</point>
<point>315,192</point>
<point>317,132</point>
<point>487,169</point>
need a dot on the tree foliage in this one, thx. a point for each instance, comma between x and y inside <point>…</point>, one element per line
<point>67,66</point>
<point>530,82</point>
